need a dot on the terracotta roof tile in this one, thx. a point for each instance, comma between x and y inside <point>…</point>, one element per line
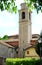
<point>14,43</point>
<point>33,42</point>
<point>4,43</point>
<point>13,36</point>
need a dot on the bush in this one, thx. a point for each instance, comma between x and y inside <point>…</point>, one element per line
<point>22,61</point>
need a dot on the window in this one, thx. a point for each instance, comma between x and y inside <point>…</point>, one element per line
<point>27,52</point>
<point>23,15</point>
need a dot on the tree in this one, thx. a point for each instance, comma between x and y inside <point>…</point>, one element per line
<point>37,48</point>
<point>38,45</point>
<point>5,37</point>
<point>10,5</point>
<point>37,4</point>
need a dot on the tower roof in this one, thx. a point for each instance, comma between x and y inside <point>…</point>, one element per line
<point>23,6</point>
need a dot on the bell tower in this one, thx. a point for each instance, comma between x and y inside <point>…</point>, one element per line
<point>25,34</point>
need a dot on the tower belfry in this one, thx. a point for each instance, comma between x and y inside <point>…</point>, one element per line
<point>25,34</point>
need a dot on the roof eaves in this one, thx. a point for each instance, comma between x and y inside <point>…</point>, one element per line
<point>1,42</point>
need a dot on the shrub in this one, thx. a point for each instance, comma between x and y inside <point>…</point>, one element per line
<point>22,61</point>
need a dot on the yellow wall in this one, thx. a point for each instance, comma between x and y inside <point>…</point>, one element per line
<point>32,52</point>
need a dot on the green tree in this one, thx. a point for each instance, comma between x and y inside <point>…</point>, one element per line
<point>10,5</point>
<point>38,45</point>
<point>0,38</point>
<point>5,37</point>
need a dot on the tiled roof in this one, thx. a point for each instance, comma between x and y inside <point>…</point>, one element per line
<point>11,40</point>
<point>35,35</point>
<point>4,43</point>
<point>29,46</point>
<point>14,40</point>
<point>14,36</point>
<point>33,42</point>
<point>14,43</point>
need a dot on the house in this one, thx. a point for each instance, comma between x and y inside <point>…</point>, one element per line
<point>30,52</point>
<point>14,41</point>
<point>6,51</point>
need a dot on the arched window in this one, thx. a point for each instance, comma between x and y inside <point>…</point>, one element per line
<point>23,15</point>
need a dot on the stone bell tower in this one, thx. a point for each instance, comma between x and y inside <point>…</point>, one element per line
<point>25,34</point>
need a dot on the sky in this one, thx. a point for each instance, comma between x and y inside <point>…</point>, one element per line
<point>9,22</point>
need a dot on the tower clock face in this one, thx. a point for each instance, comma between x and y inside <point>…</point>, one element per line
<point>23,15</point>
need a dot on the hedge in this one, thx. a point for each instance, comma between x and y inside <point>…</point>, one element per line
<point>22,61</point>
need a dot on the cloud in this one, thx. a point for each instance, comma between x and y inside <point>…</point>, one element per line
<point>8,19</point>
<point>8,23</point>
<point>36,22</point>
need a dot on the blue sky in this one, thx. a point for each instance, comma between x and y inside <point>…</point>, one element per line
<point>9,23</point>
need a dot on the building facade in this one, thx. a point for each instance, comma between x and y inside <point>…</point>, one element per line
<point>31,53</point>
<point>6,50</point>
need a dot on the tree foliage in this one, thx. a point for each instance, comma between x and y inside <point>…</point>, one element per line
<point>37,4</point>
<point>5,37</point>
<point>10,5</point>
<point>39,45</point>
<point>37,48</point>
